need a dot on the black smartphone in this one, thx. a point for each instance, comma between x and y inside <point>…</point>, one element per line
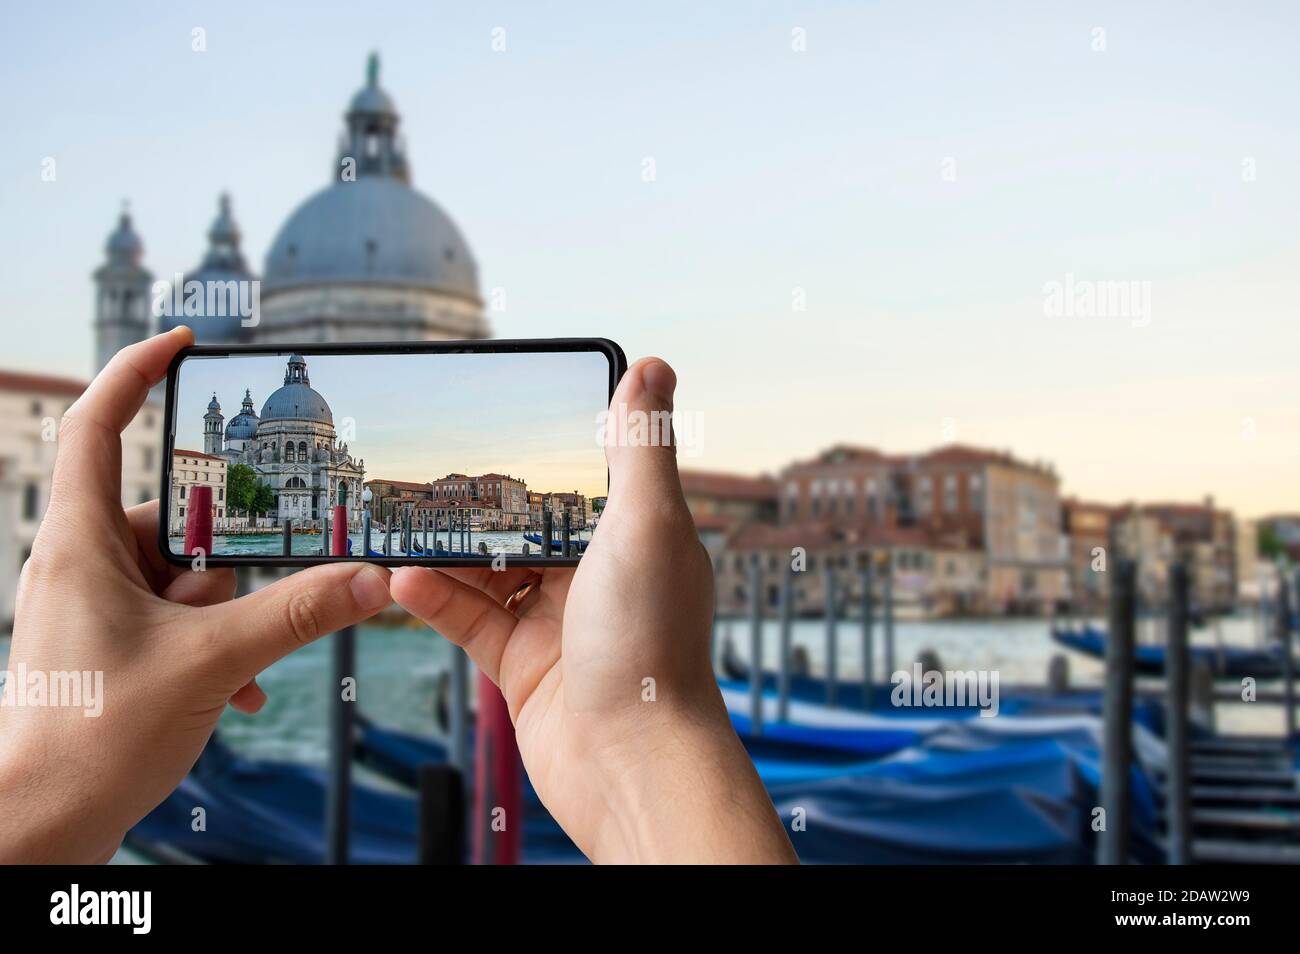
<point>437,453</point>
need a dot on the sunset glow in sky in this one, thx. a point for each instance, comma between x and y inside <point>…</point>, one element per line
<point>847,241</point>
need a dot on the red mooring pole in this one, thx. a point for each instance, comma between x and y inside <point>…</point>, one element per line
<point>198,522</point>
<point>498,782</point>
<point>339,534</point>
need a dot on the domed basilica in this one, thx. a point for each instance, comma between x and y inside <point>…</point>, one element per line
<point>291,446</point>
<point>366,258</point>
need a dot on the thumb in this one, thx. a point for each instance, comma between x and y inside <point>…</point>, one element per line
<point>639,442</point>
<point>267,625</point>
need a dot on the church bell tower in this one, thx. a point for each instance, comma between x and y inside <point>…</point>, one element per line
<point>212,425</point>
<point>122,283</point>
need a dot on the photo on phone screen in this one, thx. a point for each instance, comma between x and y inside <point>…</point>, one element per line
<point>434,455</point>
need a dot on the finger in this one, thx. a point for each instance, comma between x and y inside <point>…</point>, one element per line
<point>264,626</point>
<point>250,698</point>
<point>498,584</point>
<point>178,584</point>
<point>463,614</point>
<point>88,467</point>
<point>201,587</point>
<point>142,520</point>
<point>638,436</point>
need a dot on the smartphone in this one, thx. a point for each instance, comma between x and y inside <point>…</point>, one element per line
<point>438,453</point>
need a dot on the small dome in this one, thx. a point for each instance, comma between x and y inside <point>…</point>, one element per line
<point>213,406</point>
<point>224,229</point>
<point>123,243</point>
<point>226,284</point>
<point>371,98</point>
<point>243,426</point>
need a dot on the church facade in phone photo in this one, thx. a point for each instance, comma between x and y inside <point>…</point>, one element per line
<point>292,447</point>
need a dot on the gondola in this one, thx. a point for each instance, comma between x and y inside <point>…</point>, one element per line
<point>1228,661</point>
<point>556,544</point>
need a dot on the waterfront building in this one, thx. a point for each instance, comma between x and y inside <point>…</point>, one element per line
<point>386,495</point>
<point>506,495</point>
<point>31,408</point>
<point>721,503</point>
<point>1204,537</point>
<point>1087,527</point>
<point>933,575</point>
<point>1141,537</point>
<point>966,498</point>
<point>576,505</point>
<point>190,469</point>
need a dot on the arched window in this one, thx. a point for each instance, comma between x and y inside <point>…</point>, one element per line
<point>302,450</point>
<point>296,483</point>
<point>288,452</point>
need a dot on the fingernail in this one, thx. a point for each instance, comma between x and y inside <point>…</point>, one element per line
<point>370,589</point>
<point>659,380</point>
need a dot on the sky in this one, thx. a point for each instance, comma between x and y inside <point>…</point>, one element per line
<point>419,417</point>
<point>855,214</point>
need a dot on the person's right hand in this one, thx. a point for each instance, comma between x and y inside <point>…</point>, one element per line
<point>631,769</point>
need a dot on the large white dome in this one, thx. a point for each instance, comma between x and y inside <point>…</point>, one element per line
<point>374,229</point>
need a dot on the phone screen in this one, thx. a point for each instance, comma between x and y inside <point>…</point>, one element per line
<point>421,453</point>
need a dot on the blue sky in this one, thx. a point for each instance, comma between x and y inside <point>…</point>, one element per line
<point>776,170</point>
<point>417,417</point>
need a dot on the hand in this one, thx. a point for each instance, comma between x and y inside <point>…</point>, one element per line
<point>628,779</point>
<point>96,596</point>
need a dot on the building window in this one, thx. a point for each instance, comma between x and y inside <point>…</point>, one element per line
<point>148,458</point>
<point>31,501</point>
<point>182,491</point>
<point>36,409</point>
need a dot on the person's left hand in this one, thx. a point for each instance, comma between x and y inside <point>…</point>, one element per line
<point>96,596</point>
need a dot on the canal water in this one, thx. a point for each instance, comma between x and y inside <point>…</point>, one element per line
<point>399,666</point>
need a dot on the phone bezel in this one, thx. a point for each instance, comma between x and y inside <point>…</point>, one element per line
<point>611,350</point>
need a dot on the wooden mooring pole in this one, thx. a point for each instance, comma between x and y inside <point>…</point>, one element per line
<point>1178,778</point>
<point>338,804</point>
<point>832,636</point>
<point>889,616</point>
<point>1284,632</point>
<point>868,647</point>
<point>756,647</point>
<point>787,626</point>
<point>1117,715</point>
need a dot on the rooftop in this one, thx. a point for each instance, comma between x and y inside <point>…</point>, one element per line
<point>41,384</point>
<point>704,483</point>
